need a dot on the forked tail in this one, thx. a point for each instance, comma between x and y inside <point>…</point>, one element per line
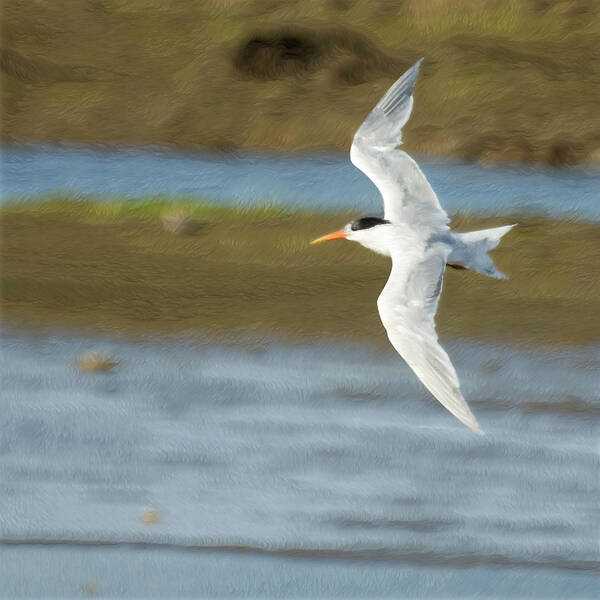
<point>472,250</point>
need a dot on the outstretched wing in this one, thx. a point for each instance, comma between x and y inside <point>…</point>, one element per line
<point>407,195</point>
<point>407,307</point>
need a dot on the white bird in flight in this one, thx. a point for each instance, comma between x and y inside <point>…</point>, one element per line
<point>414,232</point>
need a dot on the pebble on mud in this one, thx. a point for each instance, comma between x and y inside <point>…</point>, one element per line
<point>176,221</point>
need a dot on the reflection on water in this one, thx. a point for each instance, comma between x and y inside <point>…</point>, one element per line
<point>298,453</point>
<point>317,181</point>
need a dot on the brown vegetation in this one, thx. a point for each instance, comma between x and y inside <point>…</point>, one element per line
<point>516,81</point>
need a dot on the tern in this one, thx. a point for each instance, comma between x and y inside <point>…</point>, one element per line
<point>414,233</point>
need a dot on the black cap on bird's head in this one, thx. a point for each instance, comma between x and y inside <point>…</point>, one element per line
<point>356,225</point>
<point>367,223</point>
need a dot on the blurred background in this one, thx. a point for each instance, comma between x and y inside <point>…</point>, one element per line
<point>509,80</point>
<point>197,403</point>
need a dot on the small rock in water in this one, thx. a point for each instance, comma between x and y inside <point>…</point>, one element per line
<point>94,362</point>
<point>176,221</point>
<point>149,516</point>
<point>91,589</point>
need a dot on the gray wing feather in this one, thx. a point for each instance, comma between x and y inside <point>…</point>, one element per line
<point>406,193</point>
<point>383,126</point>
<point>401,91</point>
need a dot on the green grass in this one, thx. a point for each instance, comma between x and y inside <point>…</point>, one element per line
<point>514,80</point>
<point>112,268</point>
<point>104,209</point>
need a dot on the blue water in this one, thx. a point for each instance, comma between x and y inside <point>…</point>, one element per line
<point>319,181</point>
<point>304,471</point>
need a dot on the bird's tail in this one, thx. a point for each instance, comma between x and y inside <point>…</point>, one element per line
<point>472,250</point>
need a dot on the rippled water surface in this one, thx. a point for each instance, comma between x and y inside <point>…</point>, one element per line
<point>308,470</point>
<point>321,182</point>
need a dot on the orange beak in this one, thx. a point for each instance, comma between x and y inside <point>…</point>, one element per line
<point>331,236</point>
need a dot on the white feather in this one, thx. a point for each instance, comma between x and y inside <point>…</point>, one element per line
<point>407,195</point>
<point>407,307</point>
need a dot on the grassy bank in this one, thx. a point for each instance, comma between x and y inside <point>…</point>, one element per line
<point>509,80</point>
<point>115,269</point>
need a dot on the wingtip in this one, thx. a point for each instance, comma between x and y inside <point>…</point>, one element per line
<point>473,425</point>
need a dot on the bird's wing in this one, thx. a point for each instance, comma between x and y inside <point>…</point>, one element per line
<point>407,195</point>
<point>407,307</point>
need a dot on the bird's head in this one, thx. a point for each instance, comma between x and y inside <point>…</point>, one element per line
<point>371,232</point>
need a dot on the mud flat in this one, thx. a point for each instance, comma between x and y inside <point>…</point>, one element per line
<point>114,268</point>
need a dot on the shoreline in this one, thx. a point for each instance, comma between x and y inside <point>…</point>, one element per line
<point>496,157</point>
<point>114,268</point>
<point>290,153</point>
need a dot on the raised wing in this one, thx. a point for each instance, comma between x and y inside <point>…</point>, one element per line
<point>407,195</point>
<point>407,307</point>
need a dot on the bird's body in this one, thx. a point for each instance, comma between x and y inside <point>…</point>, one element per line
<point>414,233</point>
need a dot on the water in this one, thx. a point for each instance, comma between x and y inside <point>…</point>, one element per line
<point>294,471</point>
<point>307,470</point>
<point>322,182</point>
